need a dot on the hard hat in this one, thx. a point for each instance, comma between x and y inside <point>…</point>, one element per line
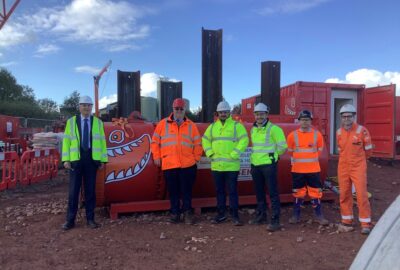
<point>178,103</point>
<point>261,107</point>
<point>305,114</point>
<point>85,100</point>
<point>223,106</point>
<point>347,108</point>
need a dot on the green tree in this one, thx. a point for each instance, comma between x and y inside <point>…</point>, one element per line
<point>48,105</point>
<point>70,105</point>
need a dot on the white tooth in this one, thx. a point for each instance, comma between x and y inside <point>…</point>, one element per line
<point>145,156</point>
<point>129,172</point>
<point>110,153</point>
<point>110,177</point>
<point>127,148</point>
<point>139,141</point>
<point>137,168</point>
<point>119,151</point>
<point>120,174</point>
<point>142,162</point>
<point>134,144</point>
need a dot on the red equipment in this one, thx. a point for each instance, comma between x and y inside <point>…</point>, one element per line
<point>131,182</point>
<point>4,15</point>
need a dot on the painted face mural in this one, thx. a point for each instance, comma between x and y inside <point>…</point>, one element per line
<point>127,154</point>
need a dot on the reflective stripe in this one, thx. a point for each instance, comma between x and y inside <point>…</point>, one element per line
<point>364,219</point>
<point>187,144</point>
<point>237,151</point>
<point>241,137</point>
<point>95,149</point>
<point>290,150</point>
<point>65,154</point>
<point>205,137</point>
<point>104,155</point>
<point>348,217</point>
<point>167,144</point>
<point>224,139</point>
<point>234,139</point>
<point>224,159</point>
<point>263,144</point>
<point>98,137</point>
<point>190,132</point>
<point>168,136</point>
<point>312,150</point>
<point>73,149</point>
<point>207,149</point>
<point>359,128</point>
<point>368,147</point>
<point>156,135</point>
<point>263,151</point>
<point>187,137</point>
<point>281,143</point>
<point>304,160</point>
<point>196,137</point>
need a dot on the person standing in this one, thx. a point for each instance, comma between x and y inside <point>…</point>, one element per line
<point>176,147</point>
<point>268,143</point>
<point>354,145</point>
<point>223,142</point>
<point>305,145</point>
<point>84,151</point>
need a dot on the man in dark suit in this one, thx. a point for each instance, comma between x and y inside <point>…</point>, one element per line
<point>84,151</point>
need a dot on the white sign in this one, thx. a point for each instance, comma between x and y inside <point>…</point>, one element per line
<point>9,127</point>
<point>1,156</point>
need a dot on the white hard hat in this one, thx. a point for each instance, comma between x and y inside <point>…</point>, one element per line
<point>261,107</point>
<point>85,100</point>
<point>347,108</point>
<point>223,106</point>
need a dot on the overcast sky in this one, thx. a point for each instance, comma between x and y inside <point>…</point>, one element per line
<point>57,46</point>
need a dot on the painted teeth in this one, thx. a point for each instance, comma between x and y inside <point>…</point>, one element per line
<point>128,174</point>
<point>120,174</point>
<point>110,177</point>
<point>110,153</point>
<point>119,151</point>
<point>134,144</point>
<point>127,148</point>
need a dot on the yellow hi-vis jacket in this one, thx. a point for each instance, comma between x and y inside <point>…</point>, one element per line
<point>269,143</point>
<point>224,143</point>
<point>71,141</point>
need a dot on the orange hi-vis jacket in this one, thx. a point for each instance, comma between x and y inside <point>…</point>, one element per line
<point>354,147</point>
<point>177,146</point>
<point>305,148</point>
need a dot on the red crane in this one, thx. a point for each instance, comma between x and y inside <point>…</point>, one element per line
<point>96,86</point>
<point>4,14</point>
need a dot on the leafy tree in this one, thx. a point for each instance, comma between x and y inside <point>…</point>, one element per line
<point>48,105</point>
<point>70,105</point>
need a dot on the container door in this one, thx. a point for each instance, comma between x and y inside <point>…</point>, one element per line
<point>379,119</point>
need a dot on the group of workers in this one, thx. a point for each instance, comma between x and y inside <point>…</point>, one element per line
<point>177,146</point>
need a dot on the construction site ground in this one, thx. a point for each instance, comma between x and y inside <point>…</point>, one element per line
<point>31,235</point>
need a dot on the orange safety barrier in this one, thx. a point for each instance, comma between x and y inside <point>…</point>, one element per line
<point>9,169</point>
<point>38,165</point>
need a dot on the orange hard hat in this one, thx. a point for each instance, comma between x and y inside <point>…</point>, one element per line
<point>178,103</point>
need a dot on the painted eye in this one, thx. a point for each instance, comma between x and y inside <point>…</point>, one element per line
<point>117,136</point>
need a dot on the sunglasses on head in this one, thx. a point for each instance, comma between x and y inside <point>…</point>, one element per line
<point>179,109</point>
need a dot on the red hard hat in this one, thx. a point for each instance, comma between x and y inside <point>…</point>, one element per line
<point>178,103</point>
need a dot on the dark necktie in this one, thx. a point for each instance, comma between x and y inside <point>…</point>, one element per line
<point>85,142</point>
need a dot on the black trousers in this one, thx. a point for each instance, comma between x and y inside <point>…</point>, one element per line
<point>180,183</point>
<point>265,176</point>
<point>84,169</point>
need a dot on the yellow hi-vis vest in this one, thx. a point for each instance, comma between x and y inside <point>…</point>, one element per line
<point>224,143</point>
<point>71,141</point>
<point>269,143</point>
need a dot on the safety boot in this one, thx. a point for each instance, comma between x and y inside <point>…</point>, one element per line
<point>174,218</point>
<point>343,228</point>
<point>235,218</point>
<point>365,230</point>
<point>219,218</point>
<point>319,217</point>
<point>296,211</point>
<point>274,225</point>
<point>188,218</point>
<point>260,218</point>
